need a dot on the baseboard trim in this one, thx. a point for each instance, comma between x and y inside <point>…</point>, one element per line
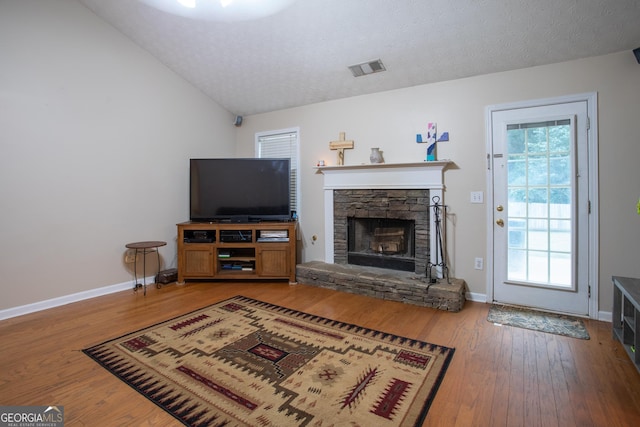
<point>605,316</point>
<point>475,297</point>
<point>68,299</point>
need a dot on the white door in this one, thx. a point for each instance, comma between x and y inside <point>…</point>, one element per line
<point>540,213</point>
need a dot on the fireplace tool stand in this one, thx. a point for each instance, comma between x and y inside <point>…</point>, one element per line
<point>441,260</point>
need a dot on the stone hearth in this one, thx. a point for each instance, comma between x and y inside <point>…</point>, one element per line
<point>385,284</point>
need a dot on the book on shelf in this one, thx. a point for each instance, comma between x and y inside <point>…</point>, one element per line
<point>242,266</point>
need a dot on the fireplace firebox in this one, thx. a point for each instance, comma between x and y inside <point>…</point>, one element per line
<point>381,242</point>
<point>391,224</point>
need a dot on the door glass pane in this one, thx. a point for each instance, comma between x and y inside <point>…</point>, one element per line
<point>560,240</point>
<point>538,270</point>
<point>517,171</point>
<point>560,268</point>
<point>516,140</point>
<point>537,170</point>
<point>539,207</point>
<point>517,202</point>
<point>538,234</point>
<point>517,265</point>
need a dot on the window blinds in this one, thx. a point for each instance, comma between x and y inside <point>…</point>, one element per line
<point>283,145</point>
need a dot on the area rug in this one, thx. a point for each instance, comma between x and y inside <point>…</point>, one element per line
<point>243,362</point>
<point>538,321</point>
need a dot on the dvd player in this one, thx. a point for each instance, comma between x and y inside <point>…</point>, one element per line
<point>235,235</point>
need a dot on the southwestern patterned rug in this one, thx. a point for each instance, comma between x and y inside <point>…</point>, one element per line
<point>525,318</point>
<point>243,362</point>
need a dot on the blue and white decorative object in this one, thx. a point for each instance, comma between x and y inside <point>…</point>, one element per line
<point>430,139</point>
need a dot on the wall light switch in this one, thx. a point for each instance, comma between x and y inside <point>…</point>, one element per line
<point>477,197</point>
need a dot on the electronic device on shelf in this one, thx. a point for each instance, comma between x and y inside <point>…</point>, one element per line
<point>199,236</point>
<point>239,190</point>
<point>273,236</point>
<point>235,235</point>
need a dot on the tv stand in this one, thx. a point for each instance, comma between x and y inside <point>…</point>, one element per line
<point>237,250</point>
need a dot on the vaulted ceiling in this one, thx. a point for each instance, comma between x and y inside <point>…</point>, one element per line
<point>300,55</point>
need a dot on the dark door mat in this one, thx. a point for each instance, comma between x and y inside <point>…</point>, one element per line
<point>538,321</point>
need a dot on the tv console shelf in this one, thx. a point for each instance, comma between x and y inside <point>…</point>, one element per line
<point>626,316</point>
<point>228,251</point>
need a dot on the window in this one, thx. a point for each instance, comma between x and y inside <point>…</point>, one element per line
<point>282,144</point>
<point>539,189</point>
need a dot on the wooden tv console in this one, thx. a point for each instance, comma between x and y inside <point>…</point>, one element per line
<point>228,251</point>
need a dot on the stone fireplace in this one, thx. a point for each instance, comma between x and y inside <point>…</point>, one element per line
<point>384,228</point>
<point>377,239</point>
<point>393,191</point>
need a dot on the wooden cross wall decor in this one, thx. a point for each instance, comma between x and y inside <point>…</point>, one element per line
<point>341,145</point>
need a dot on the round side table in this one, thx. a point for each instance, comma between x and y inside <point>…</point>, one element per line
<point>144,248</point>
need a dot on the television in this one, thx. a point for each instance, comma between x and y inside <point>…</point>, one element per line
<point>239,190</point>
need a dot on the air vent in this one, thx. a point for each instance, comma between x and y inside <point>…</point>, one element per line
<point>367,68</point>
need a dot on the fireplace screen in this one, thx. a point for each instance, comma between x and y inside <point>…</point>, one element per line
<point>379,242</point>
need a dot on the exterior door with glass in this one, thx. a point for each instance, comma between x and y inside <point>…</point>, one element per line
<point>541,207</point>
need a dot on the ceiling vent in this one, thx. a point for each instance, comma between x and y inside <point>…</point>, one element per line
<point>367,68</point>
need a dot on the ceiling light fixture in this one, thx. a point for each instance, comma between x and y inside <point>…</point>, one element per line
<point>220,10</point>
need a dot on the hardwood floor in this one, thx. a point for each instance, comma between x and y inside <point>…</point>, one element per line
<point>499,376</point>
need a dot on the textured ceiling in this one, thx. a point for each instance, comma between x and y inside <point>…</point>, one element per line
<point>300,56</point>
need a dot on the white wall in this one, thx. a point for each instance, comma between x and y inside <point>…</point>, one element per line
<point>95,137</point>
<point>390,120</point>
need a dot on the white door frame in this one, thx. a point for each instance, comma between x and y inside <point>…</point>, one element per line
<point>594,253</point>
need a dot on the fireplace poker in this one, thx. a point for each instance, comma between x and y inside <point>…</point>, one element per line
<point>441,260</point>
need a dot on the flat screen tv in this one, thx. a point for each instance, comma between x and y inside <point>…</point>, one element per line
<point>239,190</point>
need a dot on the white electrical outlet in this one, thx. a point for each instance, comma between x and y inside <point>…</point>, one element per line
<point>477,197</point>
<point>479,264</point>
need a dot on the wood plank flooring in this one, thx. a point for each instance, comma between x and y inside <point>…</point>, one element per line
<point>499,376</point>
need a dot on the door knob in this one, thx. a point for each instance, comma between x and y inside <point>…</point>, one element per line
<point>500,222</point>
<point>499,208</point>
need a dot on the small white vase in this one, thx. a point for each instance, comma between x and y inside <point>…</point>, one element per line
<point>376,156</point>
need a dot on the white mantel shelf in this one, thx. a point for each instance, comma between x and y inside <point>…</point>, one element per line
<point>386,175</point>
<point>420,175</point>
<point>437,164</point>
